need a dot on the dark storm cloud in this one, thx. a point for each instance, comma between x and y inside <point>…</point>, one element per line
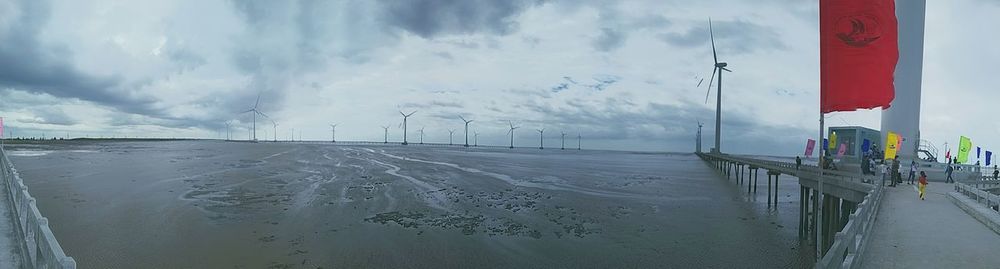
<point>431,18</point>
<point>730,36</point>
<point>28,64</point>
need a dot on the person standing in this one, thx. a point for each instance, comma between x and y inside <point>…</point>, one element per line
<point>884,169</point>
<point>996,173</point>
<point>798,162</point>
<point>949,171</point>
<point>895,172</point>
<point>922,187</point>
<point>913,172</point>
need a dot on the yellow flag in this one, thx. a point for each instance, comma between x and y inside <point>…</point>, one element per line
<point>892,145</point>
<point>833,142</point>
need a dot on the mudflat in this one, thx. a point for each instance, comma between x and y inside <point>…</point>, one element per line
<point>213,204</point>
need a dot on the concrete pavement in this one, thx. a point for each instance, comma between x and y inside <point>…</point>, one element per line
<point>931,233</point>
<point>10,253</point>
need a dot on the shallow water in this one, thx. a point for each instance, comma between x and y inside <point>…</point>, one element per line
<point>203,204</point>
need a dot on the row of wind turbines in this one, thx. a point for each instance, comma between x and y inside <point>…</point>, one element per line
<point>451,132</point>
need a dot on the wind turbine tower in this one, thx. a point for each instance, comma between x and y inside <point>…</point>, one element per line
<point>698,140</point>
<point>718,67</point>
<point>511,133</point>
<point>255,112</point>
<point>405,116</point>
<point>333,133</point>
<point>563,141</point>
<point>541,138</point>
<point>421,135</point>
<point>228,134</point>
<point>477,139</point>
<point>386,137</point>
<point>451,133</point>
<point>466,129</point>
<point>579,144</point>
<point>275,124</point>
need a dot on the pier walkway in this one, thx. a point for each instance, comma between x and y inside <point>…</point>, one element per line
<point>866,225</point>
<point>10,251</point>
<point>933,233</point>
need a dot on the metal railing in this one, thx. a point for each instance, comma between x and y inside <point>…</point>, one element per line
<point>977,193</point>
<point>790,168</point>
<point>39,247</point>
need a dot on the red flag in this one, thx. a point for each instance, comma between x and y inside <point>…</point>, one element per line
<point>858,54</point>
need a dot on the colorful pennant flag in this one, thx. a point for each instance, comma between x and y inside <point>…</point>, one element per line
<point>978,150</point>
<point>841,150</point>
<point>866,145</point>
<point>964,145</point>
<point>810,144</point>
<point>892,145</point>
<point>989,156</point>
<point>833,142</point>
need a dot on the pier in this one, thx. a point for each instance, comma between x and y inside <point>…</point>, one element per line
<point>867,225</point>
<point>25,236</point>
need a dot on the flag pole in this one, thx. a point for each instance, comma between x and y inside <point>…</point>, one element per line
<point>819,209</point>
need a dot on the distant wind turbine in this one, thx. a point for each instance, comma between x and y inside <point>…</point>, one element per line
<point>541,138</point>
<point>386,138</point>
<point>578,142</point>
<point>698,140</point>
<point>451,133</point>
<point>477,139</point>
<point>421,135</point>
<point>719,66</point>
<point>405,116</point>
<point>275,125</point>
<point>292,137</point>
<point>333,133</point>
<point>228,135</point>
<point>255,112</point>
<point>511,133</point>
<point>563,140</point>
<point>466,129</point>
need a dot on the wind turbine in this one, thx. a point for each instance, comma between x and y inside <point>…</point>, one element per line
<point>719,66</point>
<point>292,137</point>
<point>333,133</point>
<point>405,116</point>
<point>228,135</point>
<point>477,139</point>
<point>421,135</point>
<point>578,142</point>
<point>698,140</point>
<point>451,133</point>
<point>386,141</point>
<point>255,112</point>
<point>511,133</point>
<point>466,130</point>
<point>275,124</point>
<point>541,138</point>
<point>563,141</point>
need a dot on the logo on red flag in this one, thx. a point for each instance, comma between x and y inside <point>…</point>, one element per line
<point>858,30</point>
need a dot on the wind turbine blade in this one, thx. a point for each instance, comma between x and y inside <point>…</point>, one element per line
<point>727,70</point>
<point>710,80</point>
<point>246,111</point>
<point>711,35</point>
<point>262,114</point>
<point>463,118</point>
<point>699,82</point>
<point>258,101</point>
<point>401,113</point>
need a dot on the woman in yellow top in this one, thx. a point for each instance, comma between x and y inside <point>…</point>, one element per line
<point>922,184</point>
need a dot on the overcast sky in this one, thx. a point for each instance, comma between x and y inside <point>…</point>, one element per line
<point>622,74</point>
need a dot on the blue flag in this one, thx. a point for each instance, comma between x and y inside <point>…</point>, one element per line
<point>977,153</point>
<point>866,145</point>
<point>989,156</point>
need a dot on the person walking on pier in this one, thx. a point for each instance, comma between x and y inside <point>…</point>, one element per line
<point>894,172</point>
<point>996,173</point>
<point>913,172</point>
<point>922,184</point>
<point>798,162</point>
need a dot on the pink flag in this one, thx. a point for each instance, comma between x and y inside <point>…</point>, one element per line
<point>841,150</point>
<point>810,144</point>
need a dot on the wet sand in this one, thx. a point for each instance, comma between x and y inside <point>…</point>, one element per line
<point>210,204</point>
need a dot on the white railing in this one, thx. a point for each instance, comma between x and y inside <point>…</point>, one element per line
<point>39,247</point>
<point>850,243</point>
<point>981,196</point>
